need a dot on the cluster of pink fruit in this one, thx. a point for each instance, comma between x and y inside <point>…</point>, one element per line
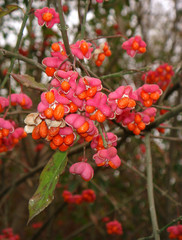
<point>114,228</point>
<point>75,107</point>
<point>175,232</point>
<point>87,195</point>
<point>7,234</point>
<point>161,76</point>
<point>10,133</point>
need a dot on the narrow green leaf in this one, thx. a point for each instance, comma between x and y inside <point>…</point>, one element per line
<point>47,183</point>
<point>9,8</point>
<point>29,81</point>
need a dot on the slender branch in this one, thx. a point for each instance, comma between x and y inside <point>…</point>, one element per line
<point>84,19</point>
<point>170,127</point>
<point>163,228</point>
<point>22,179</point>
<point>111,200</point>
<point>161,191</point>
<point>150,188</point>
<point>63,29</point>
<point>146,238</point>
<point>53,215</point>
<point>102,135</point>
<point>174,112</point>
<point>113,36</point>
<point>162,107</point>
<point>167,138</point>
<point>91,224</point>
<point>18,42</point>
<point>124,72</point>
<point>171,223</point>
<point>20,57</point>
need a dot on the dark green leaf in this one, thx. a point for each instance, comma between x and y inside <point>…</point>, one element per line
<point>48,180</point>
<point>28,81</point>
<point>9,8</point>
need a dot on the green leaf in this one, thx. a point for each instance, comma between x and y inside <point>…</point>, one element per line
<point>9,8</point>
<point>47,183</point>
<point>29,81</point>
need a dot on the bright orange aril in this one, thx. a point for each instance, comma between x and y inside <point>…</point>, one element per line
<point>5,132</point>
<point>84,135</point>
<point>131,126</point>
<point>98,63</point>
<point>49,113</point>
<point>144,95</point>
<point>53,131</point>
<point>84,128</point>
<point>141,125</point>
<point>114,167</point>
<point>24,134</point>
<point>108,53</point>
<point>65,86</point>
<point>142,49</point>
<point>136,131</point>
<point>15,140</point>
<point>50,71</point>
<point>55,47</point>
<point>93,117</point>
<point>135,45</point>
<point>1,133</point>
<point>148,102</point>
<point>100,142</point>
<point>63,147</point>
<point>100,117</point>
<point>59,112</point>
<point>105,47</point>
<point>43,129</point>
<point>68,140</point>
<point>131,103</point>
<point>89,138</point>
<point>73,107</point>
<point>84,48</point>
<point>138,118</point>
<point>35,132</point>
<point>90,109</point>
<point>50,97</point>
<point>53,146</point>
<point>57,140</point>
<point>123,102</point>
<point>91,92</point>
<point>23,102</point>
<point>155,96</point>
<point>82,95</point>
<point>47,16</point>
<point>101,57</point>
<point>152,119</point>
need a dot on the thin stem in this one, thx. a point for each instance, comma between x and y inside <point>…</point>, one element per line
<point>124,72</point>
<point>22,58</point>
<point>88,225</point>
<point>150,188</point>
<point>162,107</point>
<point>113,36</point>
<point>102,135</point>
<point>84,19</point>
<point>170,127</point>
<point>167,138</point>
<point>163,228</point>
<point>171,223</point>
<point>18,42</point>
<point>161,191</point>
<point>174,112</point>
<point>63,29</point>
